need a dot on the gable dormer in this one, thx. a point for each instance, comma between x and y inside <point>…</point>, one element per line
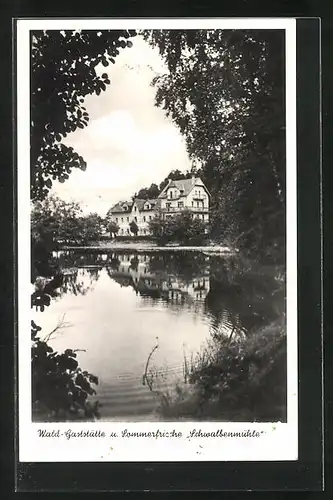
<point>147,206</point>
<point>173,192</point>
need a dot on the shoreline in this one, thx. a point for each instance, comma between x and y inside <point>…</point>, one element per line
<point>148,247</point>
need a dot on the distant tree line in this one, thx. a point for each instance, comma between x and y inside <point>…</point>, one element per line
<point>55,222</point>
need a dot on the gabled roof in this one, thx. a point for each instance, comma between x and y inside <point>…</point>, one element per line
<point>120,207</point>
<point>185,186</point>
<point>140,203</point>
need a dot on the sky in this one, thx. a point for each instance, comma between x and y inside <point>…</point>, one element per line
<point>129,143</point>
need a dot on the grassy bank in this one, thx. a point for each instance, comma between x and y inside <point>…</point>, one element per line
<point>233,380</point>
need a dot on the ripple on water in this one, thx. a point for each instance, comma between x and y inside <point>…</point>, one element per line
<point>128,397</point>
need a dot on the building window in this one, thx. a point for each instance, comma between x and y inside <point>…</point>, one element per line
<point>144,218</point>
<point>170,194</point>
<point>180,204</point>
<point>136,219</point>
<point>122,219</point>
<point>192,203</point>
<point>144,231</point>
<point>127,231</point>
<point>127,219</point>
<point>116,219</point>
<point>168,205</point>
<point>134,209</point>
<point>149,217</point>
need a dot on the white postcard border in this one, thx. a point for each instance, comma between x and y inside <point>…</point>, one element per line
<point>260,441</point>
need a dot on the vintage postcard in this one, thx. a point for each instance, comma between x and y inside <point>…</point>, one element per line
<point>157,259</point>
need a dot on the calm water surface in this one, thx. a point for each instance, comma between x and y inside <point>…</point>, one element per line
<point>116,307</point>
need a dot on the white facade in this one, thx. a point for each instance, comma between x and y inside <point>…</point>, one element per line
<point>186,194</point>
<point>178,196</point>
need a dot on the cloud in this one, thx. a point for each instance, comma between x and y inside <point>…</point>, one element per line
<point>129,142</point>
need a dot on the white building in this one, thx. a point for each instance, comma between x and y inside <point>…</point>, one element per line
<point>186,194</point>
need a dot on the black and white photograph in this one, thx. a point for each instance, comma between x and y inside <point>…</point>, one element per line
<point>156,225</point>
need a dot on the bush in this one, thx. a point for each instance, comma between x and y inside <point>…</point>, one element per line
<point>60,388</point>
<point>113,229</point>
<point>182,228</point>
<point>232,380</point>
<point>56,222</point>
<point>58,384</point>
<point>134,228</point>
<point>244,377</point>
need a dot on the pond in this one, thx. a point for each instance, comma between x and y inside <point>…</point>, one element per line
<point>117,308</point>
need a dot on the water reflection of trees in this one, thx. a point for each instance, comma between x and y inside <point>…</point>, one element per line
<point>184,265</point>
<point>176,280</point>
<point>243,303</point>
<point>75,258</point>
<point>244,297</point>
<point>237,296</point>
<point>60,388</point>
<point>79,281</point>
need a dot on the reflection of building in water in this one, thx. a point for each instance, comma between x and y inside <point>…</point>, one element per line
<point>135,271</point>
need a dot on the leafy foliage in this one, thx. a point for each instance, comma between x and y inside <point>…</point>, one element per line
<point>232,375</point>
<point>56,221</point>
<point>64,67</point>
<point>148,193</point>
<point>232,380</point>
<point>182,227</point>
<point>134,227</point>
<point>58,384</point>
<point>45,290</point>
<point>113,228</point>
<point>93,224</point>
<point>225,91</point>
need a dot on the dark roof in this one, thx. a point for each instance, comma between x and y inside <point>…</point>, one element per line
<point>184,185</point>
<point>120,207</point>
<point>140,203</point>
